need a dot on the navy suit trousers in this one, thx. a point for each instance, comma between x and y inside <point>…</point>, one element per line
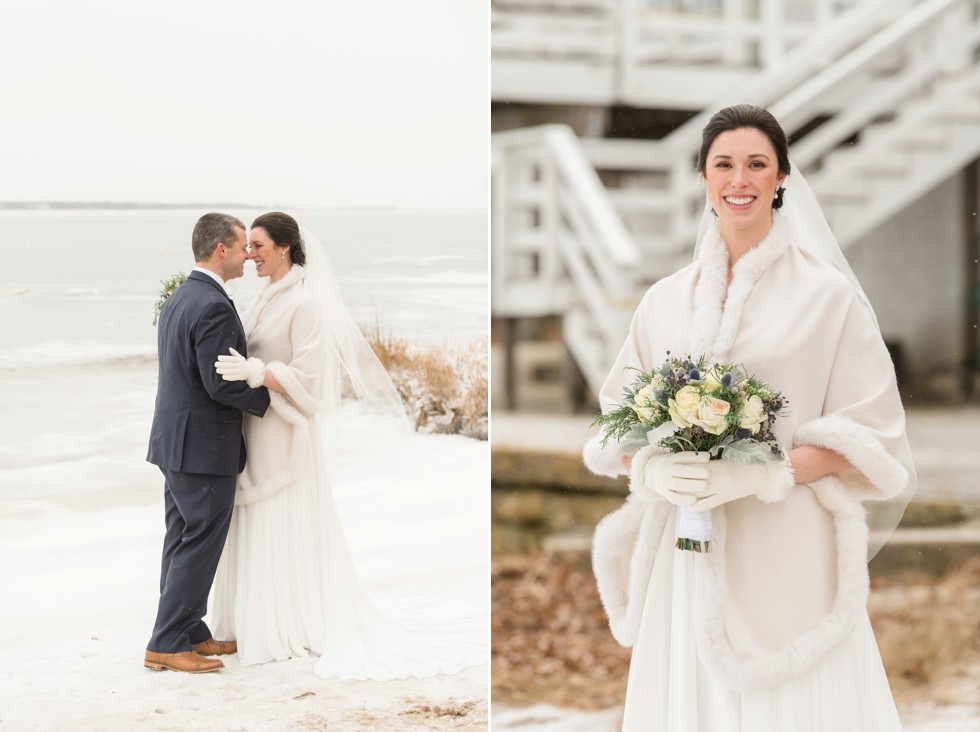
<point>198,514</point>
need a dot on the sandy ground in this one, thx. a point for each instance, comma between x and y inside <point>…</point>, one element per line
<point>81,525</point>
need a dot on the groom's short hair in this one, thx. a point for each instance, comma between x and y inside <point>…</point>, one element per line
<point>210,230</point>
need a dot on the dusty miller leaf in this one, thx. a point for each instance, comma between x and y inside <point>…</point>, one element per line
<point>634,440</point>
<point>746,451</point>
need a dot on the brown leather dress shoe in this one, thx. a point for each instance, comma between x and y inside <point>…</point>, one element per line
<point>187,661</point>
<point>212,647</point>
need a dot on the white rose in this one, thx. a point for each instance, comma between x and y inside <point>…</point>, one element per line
<point>753,412</point>
<point>645,404</point>
<point>683,407</point>
<point>711,383</point>
<point>712,415</point>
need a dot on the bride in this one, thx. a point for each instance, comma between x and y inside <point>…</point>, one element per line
<point>767,631</point>
<point>286,585</point>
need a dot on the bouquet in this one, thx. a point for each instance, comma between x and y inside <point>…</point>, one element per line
<point>169,285</point>
<point>701,407</point>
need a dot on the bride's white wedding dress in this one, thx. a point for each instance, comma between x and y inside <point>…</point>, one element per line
<point>286,586</point>
<point>670,690</point>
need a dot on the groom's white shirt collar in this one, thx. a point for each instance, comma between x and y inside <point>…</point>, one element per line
<point>213,276</point>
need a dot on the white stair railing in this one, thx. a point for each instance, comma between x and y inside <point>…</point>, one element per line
<point>558,245</point>
<point>617,47</point>
<point>896,85</point>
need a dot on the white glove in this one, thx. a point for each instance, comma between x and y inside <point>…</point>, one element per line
<point>678,477</point>
<point>729,481</point>
<point>238,368</point>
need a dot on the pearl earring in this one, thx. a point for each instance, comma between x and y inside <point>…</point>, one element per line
<point>282,256</point>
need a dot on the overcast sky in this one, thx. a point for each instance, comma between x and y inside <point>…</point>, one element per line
<point>294,103</point>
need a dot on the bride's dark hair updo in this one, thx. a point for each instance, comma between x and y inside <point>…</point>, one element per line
<point>740,117</point>
<point>284,231</point>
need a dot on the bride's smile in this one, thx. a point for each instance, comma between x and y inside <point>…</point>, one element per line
<point>271,260</point>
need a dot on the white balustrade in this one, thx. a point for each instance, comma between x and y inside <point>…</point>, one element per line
<point>895,85</point>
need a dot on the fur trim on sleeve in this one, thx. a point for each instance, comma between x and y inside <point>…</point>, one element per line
<point>294,390</point>
<point>601,460</point>
<point>258,376</point>
<point>880,475</point>
<point>779,481</point>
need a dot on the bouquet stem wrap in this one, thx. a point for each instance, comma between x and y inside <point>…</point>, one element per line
<point>694,530</point>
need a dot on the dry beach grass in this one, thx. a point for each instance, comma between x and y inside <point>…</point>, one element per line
<point>444,388</point>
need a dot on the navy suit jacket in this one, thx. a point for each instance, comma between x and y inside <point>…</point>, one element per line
<point>197,421</point>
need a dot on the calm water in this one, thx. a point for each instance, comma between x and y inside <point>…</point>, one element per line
<point>81,284</point>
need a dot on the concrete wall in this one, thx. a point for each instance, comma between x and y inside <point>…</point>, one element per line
<point>912,270</point>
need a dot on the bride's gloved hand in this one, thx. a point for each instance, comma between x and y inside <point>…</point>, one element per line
<point>238,368</point>
<point>728,481</point>
<point>678,477</point>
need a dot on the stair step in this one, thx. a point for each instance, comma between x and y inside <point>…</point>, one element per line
<point>889,164</point>
<point>629,200</point>
<point>965,109</point>
<point>617,154</point>
<point>923,136</point>
<point>662,245</point>
<point>848,184</point>
<point>528,240</point>
<point>961,85</point>
<point>931,137</point>
<point>529,194</point>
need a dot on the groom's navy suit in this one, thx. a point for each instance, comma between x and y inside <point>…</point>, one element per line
<point>196,440</point>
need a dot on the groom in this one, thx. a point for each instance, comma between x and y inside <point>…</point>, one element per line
<point>196,440</point>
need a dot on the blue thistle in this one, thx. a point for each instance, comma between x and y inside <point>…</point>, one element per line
<point>694,375</point>
<point>726,379</point>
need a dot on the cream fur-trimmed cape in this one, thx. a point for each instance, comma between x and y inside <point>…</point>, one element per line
<point>284,329</point>
<point>786,580</point>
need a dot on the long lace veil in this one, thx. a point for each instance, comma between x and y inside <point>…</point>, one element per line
<point>809,230</point>
<point>354,361</point>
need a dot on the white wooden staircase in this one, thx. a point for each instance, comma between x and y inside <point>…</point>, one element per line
<point>887,93</point>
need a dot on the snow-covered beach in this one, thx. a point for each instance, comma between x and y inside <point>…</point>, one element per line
<point>81,514</point>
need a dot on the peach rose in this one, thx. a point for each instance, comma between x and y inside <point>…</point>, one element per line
<point>712,415</point>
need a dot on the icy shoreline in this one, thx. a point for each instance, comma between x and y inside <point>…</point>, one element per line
<point>81,525</point>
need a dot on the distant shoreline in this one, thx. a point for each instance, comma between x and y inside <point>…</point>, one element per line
<point>110,205</point>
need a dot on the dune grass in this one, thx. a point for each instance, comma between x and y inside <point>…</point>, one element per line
<point>444,387</point>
